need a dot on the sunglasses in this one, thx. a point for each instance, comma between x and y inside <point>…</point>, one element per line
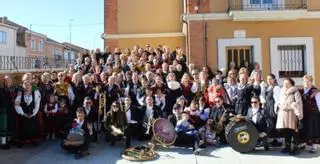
<point>254,102</point>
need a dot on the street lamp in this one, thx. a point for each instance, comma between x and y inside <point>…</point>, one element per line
<point>70,23</point>
<point>69,54</point>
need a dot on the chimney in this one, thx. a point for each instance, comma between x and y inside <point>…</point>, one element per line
<point>4,19</point>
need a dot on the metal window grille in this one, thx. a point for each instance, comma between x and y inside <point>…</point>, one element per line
<point>292,60</point>
<point>267,4</point>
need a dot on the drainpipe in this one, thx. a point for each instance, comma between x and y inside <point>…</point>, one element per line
<point>187,40</point>
<point>205,39</point>
<point>185,12</point>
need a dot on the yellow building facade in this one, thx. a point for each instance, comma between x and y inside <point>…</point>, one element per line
<point>142,22</point>
<point>281,35</point>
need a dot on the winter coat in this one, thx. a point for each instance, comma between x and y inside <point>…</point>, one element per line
<point>289,108</point>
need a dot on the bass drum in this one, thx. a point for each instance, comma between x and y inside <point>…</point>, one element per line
<point>163,131</point>
<point>242,136</point>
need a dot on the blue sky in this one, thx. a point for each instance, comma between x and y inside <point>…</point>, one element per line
<point>52,17</point>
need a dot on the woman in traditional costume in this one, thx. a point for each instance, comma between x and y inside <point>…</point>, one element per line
<point>311,113</point>
<point>7,114</point>
<point>27,106</point>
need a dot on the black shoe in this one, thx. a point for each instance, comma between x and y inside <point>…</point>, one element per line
<point>20,145</point>
<point>81,154</point>
<point>203,145</point>
<point>34,143</point>
<point>275,143</point>
<point>295,151</point>
<point>95,139</point>
<point>77,156</point>
<point>128,144</point>
<point>112,143</point>
<point>266,147</point>
<point>285,150</point>
<point>6,146</point>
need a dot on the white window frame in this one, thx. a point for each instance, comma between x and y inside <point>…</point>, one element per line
<point>275,63</point>
<point>254,42</point>
<point>3,39</point>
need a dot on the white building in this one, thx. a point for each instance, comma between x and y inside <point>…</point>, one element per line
<point>8,41</point>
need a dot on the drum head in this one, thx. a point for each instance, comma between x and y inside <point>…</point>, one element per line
<point>242,136</point>
<point>163,131</point>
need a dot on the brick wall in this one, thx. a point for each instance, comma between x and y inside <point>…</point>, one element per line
<point>35,52</point>
<point>196,46</point>
<point>203,6</point>
<point>49,48</point>
<point>16,77</point>
<point>110,21</point>
<point>112,43</point>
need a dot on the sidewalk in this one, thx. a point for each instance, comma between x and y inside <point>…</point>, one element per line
<point>50,153</point>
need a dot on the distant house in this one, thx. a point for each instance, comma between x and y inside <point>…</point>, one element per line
<point>21,48</point>
<point>11,43</point>
<point>70,52</point>
<point>36,44</point>
<point>54,50</point>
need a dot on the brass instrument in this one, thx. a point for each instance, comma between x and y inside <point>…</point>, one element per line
<point>148,124</point>
<point>102,104</point>
<point>219,126</point>
<point>102,108</point>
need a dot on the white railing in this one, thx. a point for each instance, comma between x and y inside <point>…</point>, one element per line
<point>21,63</point>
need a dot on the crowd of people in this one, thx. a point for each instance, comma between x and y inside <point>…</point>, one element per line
<point>121,92</point>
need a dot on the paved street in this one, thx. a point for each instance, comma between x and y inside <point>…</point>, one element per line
<point>50,153</point>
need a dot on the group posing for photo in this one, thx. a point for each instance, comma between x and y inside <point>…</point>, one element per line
<point>121,94</point>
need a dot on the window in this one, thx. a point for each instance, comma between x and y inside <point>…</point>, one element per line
<point>255,1</point>
<point>33,44</point>
<point>57,51</point>
<point>40,45</point>
<point>238,55</point>
<point>3,37</point>
<point>267,1</point>
<point>292,59</point>
<point>260,4</point>
<point>260,1</point>
<point>53,53</point>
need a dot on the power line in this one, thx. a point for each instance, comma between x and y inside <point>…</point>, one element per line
<point>65,25</point>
